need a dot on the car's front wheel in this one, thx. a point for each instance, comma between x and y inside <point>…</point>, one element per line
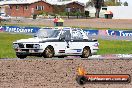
<point>48,52</point>
<point>21,56</point>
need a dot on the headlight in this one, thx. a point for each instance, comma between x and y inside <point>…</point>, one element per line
<point>15,46</point>
<point>37,46</point>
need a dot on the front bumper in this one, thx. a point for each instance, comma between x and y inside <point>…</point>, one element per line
<point>29,52</point>
<point>94,51</point>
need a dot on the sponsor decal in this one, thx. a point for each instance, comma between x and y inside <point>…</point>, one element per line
<point>103,32</point>
<point>91,32</point>
<point>83,78</point>
<point>125,33</point>
<point>108,32</point>
<point>78,50</point>
<point>17,29</point>
<point>119,33</point>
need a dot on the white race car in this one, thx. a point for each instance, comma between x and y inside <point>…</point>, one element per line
<point>59,42</point>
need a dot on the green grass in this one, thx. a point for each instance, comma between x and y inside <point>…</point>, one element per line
<point>106,47</point>
<point>6,40</point>
<point>115,47</point>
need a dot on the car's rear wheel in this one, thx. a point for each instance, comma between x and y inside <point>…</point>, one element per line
<point>86,52</point>
<point>48,52</point>
<point>21,56</point>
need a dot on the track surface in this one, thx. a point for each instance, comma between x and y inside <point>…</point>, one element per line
<point>40,73</point>
<point>90,23</point>
<point>96,57</point>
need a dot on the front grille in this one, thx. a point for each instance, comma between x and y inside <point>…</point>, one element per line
<point>27,50</point>
<point>21,45</point>
<point>29,45</point>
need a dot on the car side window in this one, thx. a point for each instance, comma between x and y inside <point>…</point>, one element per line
<point>77,35</point>
<point>65,34</point>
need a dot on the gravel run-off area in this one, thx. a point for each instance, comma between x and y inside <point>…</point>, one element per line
<point>89,23</point>
<point>41,73</point>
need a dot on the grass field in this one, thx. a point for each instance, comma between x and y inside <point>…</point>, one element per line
<point>106,47</point>
<point>6,39</point>
<point>115,47</point>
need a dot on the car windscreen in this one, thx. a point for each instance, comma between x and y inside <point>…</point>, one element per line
<point>47,33</point>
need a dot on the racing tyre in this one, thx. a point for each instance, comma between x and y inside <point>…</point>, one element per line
<point>21,56</point>
<point>81,80</point>
<point>86,52</point>
<point>48,52</point>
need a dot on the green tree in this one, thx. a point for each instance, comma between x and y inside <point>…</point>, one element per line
<point>125,3</point>
<point>97,4</point>
<point>112,3</point>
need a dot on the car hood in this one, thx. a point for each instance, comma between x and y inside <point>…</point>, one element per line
<point>33,40</point>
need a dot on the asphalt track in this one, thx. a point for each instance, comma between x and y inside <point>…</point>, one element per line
<point>93,57</point>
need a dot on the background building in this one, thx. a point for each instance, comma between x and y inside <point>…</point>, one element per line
<point>27,8</point>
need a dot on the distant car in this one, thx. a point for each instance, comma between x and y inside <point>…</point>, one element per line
<point>5,17</point>
<point>50,42</point>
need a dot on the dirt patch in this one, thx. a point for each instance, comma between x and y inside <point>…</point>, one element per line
<point>89,23</point>
<point>40,73</point>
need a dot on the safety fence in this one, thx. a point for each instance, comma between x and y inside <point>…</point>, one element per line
<point>107,32</point>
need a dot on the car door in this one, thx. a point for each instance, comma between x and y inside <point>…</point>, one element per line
<point>63,43</point>
<point>76,43</point>
<point>53,38</point>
